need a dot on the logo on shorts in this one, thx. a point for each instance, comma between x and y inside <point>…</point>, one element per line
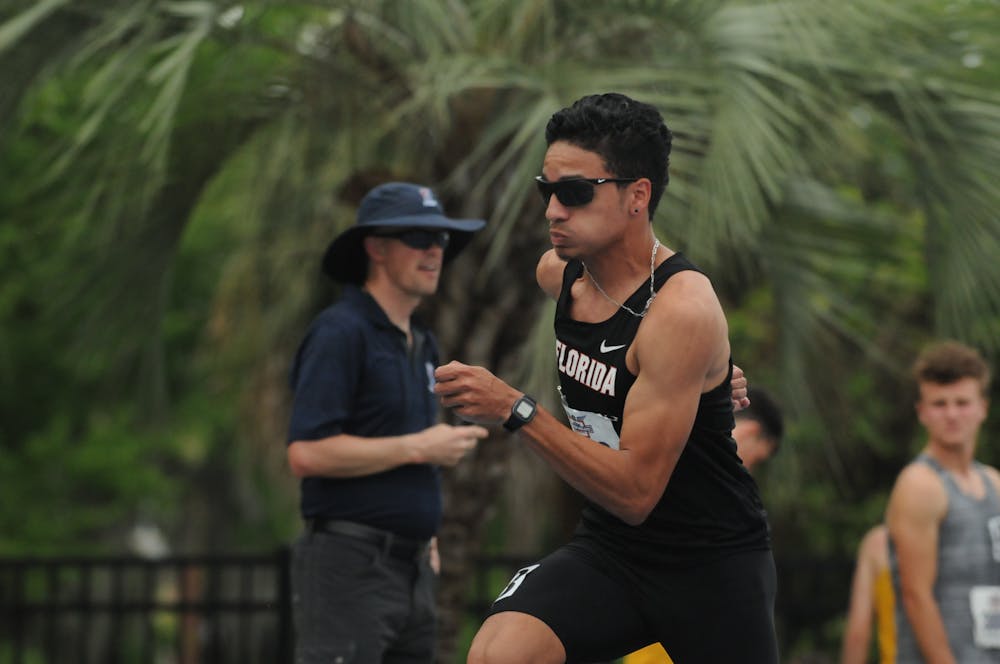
<point>516,582</point>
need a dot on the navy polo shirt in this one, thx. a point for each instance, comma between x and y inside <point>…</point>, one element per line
<point>354,374</point>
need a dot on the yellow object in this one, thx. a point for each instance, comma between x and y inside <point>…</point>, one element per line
<point>885,617</point>
<point>653,654</point>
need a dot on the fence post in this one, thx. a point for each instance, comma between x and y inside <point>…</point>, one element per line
<point>286,639</point>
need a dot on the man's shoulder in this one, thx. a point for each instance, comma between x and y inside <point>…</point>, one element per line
<point>687,301</point>
<point>689,282</point>
<point>920,473</point>
<point>918,489</point>
<point>549,273</point>
<point>344,313</point>
<point>339,321</point>
<point>875,541</point>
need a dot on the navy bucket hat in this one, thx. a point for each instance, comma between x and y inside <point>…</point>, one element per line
<point>393,205</point>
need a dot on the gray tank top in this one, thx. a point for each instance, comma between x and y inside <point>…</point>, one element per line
<point>968,565</point>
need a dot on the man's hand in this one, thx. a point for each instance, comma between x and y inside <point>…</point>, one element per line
<point>475,394</point>
<point>434,556</point>
<point>446,445</point>
<point>739,385</point>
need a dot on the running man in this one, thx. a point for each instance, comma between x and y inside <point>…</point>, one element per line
<point>673,543</point>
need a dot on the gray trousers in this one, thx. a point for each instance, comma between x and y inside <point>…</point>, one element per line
<point>353,603</point>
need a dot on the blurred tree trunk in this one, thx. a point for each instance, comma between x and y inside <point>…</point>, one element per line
<point>486,322</point>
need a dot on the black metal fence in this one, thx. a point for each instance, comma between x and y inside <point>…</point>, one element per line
<point>237,608</point>
<point>113,610</point>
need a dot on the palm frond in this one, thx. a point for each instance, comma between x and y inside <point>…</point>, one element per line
<point>16,28</point>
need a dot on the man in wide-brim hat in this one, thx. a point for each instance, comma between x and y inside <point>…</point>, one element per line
<point>363,438</point>
<point>390,209</point>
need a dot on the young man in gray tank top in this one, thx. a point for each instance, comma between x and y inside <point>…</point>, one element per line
<point>944,520</point>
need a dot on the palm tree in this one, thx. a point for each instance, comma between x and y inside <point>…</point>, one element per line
<point>837,189</point>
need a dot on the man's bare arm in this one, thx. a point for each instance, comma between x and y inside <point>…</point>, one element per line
<point>916,508</point>
<point>861,609</point>
<point>345,455</point>
<point>684,350</point>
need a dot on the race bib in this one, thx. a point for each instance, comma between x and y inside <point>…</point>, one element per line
<point>985,604</point>
<point>599,428</point>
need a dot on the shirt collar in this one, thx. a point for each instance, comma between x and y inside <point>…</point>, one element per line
<point>371,310</point>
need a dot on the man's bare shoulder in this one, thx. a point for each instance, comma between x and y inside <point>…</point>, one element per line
<point>917,475</point>
<point>686,304</point>
<point>918,490</point>
<point>685,329</point>
<point>875,546</point>
<point>549,273</point>
<point>689,281</point>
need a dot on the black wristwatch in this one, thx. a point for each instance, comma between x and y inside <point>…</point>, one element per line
<point>522,412</point>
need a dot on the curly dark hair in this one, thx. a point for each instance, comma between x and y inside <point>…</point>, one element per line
<point>630,136</point>
<point>947,362</point>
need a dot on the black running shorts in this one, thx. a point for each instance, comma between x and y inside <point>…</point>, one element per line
<point>602,606</point>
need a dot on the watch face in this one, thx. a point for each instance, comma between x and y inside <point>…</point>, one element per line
<point>523,409</point>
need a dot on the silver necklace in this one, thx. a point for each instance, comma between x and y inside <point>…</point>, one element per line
<point>652,293</point>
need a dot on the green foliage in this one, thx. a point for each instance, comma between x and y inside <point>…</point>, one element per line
<point>82,489</point>
<point>170,172</point>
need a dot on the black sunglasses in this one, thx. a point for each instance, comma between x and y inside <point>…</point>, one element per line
<point>418,238</point>
<point>573,192</point>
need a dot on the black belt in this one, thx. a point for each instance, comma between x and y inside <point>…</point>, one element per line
<point>398,547</point>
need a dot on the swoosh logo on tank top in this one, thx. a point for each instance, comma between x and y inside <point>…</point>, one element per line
<point>605,348</point>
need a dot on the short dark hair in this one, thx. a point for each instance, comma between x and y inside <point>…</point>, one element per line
<point>764,410</point>
<point>630,136</point>
<point>947,362</point>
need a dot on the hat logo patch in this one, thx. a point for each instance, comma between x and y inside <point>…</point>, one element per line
<point>428,196</point>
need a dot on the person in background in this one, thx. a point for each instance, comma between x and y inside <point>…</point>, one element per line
<point>759,429</point>
<point>944,520</point>
<point>871,602</point>
<point>364,440</point>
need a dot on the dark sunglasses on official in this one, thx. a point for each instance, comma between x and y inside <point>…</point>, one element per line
<point>418,238</point>
<point>573,192</point>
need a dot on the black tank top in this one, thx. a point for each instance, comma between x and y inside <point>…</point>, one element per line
<point>711,506</point>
